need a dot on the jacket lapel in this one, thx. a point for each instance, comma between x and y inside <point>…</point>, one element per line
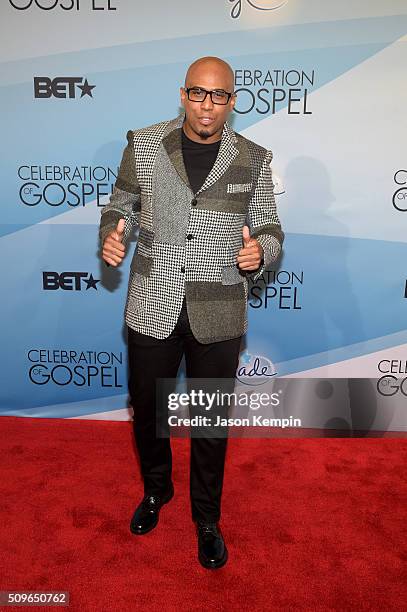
<point>172,143</point>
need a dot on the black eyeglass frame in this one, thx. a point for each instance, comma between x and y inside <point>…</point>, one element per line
<point>210,92</point>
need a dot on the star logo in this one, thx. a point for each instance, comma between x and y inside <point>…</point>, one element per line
<point>91,282</point>
<point>86,89</point>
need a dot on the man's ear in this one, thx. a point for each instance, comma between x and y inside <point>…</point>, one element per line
<point>182,95</point>
<point>233,101</point>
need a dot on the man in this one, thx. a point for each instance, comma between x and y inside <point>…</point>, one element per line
<point>202,196</point>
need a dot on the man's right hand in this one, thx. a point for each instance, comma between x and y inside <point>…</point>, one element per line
<point>113,249</point>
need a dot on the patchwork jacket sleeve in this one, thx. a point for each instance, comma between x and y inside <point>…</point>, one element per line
<point>263,220</point>
<point>125,199</point>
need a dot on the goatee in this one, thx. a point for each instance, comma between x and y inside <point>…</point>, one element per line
<point>204,134</point>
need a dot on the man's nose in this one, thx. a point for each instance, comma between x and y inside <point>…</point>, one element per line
<point>207,103</point>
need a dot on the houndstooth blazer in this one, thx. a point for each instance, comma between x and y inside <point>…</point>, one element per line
<point>188,242</point>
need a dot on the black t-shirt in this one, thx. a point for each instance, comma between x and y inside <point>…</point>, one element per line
<point>198,159</point>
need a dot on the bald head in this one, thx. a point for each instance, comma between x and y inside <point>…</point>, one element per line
<point>210,65</point>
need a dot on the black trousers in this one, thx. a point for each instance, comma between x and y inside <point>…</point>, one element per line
<point>151,358</point>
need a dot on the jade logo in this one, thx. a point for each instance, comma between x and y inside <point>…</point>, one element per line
<point>260,5</point>
<point>253,370</point>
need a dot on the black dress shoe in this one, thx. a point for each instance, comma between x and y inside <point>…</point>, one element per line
<point>212,551</point>
<point>146,516</point>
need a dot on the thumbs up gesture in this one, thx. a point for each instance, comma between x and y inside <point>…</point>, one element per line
<point>249,257</point>
<point>113,247</point>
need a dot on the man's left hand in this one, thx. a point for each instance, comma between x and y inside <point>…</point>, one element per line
<point>250,256</point>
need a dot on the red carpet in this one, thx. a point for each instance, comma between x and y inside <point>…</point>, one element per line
<point>317,524</point>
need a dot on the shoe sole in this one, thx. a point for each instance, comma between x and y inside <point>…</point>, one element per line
<point>207,565</point>
<point>165,501</point>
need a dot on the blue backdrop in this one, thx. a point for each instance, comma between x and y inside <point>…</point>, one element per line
<point>321,84</point>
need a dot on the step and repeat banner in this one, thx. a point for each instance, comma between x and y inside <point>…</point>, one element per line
<point>322,84</point>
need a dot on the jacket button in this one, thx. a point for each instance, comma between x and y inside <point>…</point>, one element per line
<point>190,236</point>
<point>194,202</point>
<point>182,269</point>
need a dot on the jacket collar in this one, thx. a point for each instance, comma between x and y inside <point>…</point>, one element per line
<point>173,145</point>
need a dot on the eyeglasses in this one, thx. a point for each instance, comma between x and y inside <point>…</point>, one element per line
<point>218,96</point>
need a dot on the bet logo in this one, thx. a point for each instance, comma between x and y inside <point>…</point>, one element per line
<point>68,281</point>
<point>62,87</point>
